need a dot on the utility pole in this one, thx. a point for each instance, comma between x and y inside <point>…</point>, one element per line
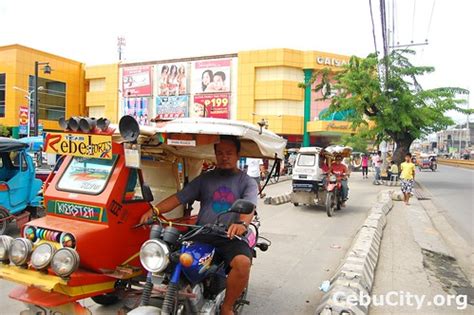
<point>120,44</point>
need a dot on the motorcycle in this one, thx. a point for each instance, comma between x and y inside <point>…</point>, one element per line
<point>334,193</point>
<point>185,275</point>
<point>311,185</point>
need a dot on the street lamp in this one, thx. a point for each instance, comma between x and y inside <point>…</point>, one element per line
<point>28,97</point>
<point>46,70</point>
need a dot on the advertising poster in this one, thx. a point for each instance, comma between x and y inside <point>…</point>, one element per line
<point>212,105</point>
<point>23,125</point>
<point>138,108</point>
<point>172,79</point>
<point>170,107</point>
<point>211,76</point>
<point>136,81</point>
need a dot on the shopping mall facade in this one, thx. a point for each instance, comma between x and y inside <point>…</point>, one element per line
<point>253,86</point>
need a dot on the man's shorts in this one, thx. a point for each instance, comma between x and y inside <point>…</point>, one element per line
<point>226,248</point>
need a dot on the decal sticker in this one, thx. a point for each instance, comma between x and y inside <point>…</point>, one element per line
<point>76,210</point>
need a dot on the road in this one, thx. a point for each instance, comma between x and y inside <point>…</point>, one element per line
<point>307,247</point>
<point>452,190</point>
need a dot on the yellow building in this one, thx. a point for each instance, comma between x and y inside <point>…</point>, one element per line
<point>268,90</point>
<point>262,86</point>
<point>60,93</point>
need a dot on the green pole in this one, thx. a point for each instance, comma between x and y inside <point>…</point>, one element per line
<point>308,73</point>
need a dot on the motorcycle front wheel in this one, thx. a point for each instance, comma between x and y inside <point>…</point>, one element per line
<point>330,203</point>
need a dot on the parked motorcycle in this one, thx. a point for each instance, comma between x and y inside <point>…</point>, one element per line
<point>186,276</point>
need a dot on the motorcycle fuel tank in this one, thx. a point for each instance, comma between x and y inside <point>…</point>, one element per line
<point>202,257</point>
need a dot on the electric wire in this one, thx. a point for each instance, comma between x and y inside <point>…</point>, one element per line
<point>373,26</point>
<point>413,22</point>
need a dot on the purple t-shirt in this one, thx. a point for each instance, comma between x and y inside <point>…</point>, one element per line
<point>217,190</point>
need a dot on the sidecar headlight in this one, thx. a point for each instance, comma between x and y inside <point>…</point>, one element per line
<point>42,256</point>
<point>5,244</point>
<point>20,251</point>
<point>154,255</point>
<point>65,261</point>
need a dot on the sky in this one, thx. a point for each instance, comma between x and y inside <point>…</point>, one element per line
<point>87,30</point>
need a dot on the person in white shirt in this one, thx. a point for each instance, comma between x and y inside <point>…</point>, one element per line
<point>377,164</point>
<point>254,168</point>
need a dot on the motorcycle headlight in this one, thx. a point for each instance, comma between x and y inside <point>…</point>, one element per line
<point>154,255</point>
<point>5,244</point>
<point>20,251</point>
<point>65,261</point>
<point>333,178</point>
<point>42,256</point>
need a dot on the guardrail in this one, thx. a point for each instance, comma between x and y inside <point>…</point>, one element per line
<point>458,163</point>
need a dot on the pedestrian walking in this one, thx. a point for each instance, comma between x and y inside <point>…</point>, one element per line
<point>365,166</point>
<point>254,170</point>
<point>377,164</point>
<point>407,178</point>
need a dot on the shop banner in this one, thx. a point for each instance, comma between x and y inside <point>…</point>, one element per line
<point>170,107</point>
<point>172,79</point>
<point>212,105</point>
<point>136,81</point>
<point>211,76</point>
<point>82,145</point>
<point>137,108</point>
<point>23,126</point>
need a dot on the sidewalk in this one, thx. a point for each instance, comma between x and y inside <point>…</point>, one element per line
<point>414,259</point>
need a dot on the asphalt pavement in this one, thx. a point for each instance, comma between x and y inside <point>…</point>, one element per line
<point>307,247</point>
<point>452,190</point>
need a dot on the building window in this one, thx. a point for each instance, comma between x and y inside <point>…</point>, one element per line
<point>51,98</point>
<point>2,94</point>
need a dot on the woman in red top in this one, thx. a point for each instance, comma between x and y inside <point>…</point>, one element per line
<point>365,166</point>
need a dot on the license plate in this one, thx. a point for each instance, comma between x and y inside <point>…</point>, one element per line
<point>303,176</point>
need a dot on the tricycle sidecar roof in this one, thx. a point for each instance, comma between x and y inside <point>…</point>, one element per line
<point>9,145</point>
<point>315,150</point>
<point>254,142</point>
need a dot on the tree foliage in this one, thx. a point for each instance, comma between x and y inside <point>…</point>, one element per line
<point>4,131</point>
<point>401,109</point>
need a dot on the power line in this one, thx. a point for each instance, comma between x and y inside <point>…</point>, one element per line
<point>413,21</point>
<point>373,26</point>
<point>431,18</point>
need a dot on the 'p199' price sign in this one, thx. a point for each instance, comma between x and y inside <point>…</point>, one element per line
<point>217,102</point>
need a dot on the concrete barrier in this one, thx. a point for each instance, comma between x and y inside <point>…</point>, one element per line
<point>278,200</point>
<point>458,163</point>
<point>355,276</point>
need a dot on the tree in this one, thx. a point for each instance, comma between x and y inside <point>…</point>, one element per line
<point>4,131</point>
<point>395,101</point>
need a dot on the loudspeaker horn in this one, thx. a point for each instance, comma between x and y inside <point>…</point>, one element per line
<point>103,123</point>
<point>87,124</point>
<point>129,128</point>
<point>74,123</point>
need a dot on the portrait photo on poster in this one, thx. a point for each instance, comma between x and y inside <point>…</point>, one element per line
<point>211,76</point>
<point>171,79</point>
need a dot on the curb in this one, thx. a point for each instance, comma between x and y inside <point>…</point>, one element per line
<point>356,274</point>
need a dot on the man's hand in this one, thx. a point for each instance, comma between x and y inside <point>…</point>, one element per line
<point>146,216</point>
<point>236,229</point>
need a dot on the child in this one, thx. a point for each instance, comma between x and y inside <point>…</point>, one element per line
<point>407,177</point>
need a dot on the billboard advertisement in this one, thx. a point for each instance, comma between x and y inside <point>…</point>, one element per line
<point>172,79</point>
<point>214,105</point>
<point>23,126</point>
<point>136,81</point>
<point>170,107</point>
<point>211,76</point>
<point>138,108</point>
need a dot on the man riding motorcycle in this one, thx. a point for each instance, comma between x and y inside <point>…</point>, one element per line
<point>341,171</point>
<point>217,190</point>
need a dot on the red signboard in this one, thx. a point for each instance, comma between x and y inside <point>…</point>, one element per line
<point>212,105</point>
<point>136,81</point>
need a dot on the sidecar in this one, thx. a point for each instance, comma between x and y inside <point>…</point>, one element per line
<point>19,199</point>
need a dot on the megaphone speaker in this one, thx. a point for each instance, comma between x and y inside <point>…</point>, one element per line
<point>129,128</point>
<point>74,123</point>
<point>103,123</point>
<point>63,123</point>
<point>87,124</point>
